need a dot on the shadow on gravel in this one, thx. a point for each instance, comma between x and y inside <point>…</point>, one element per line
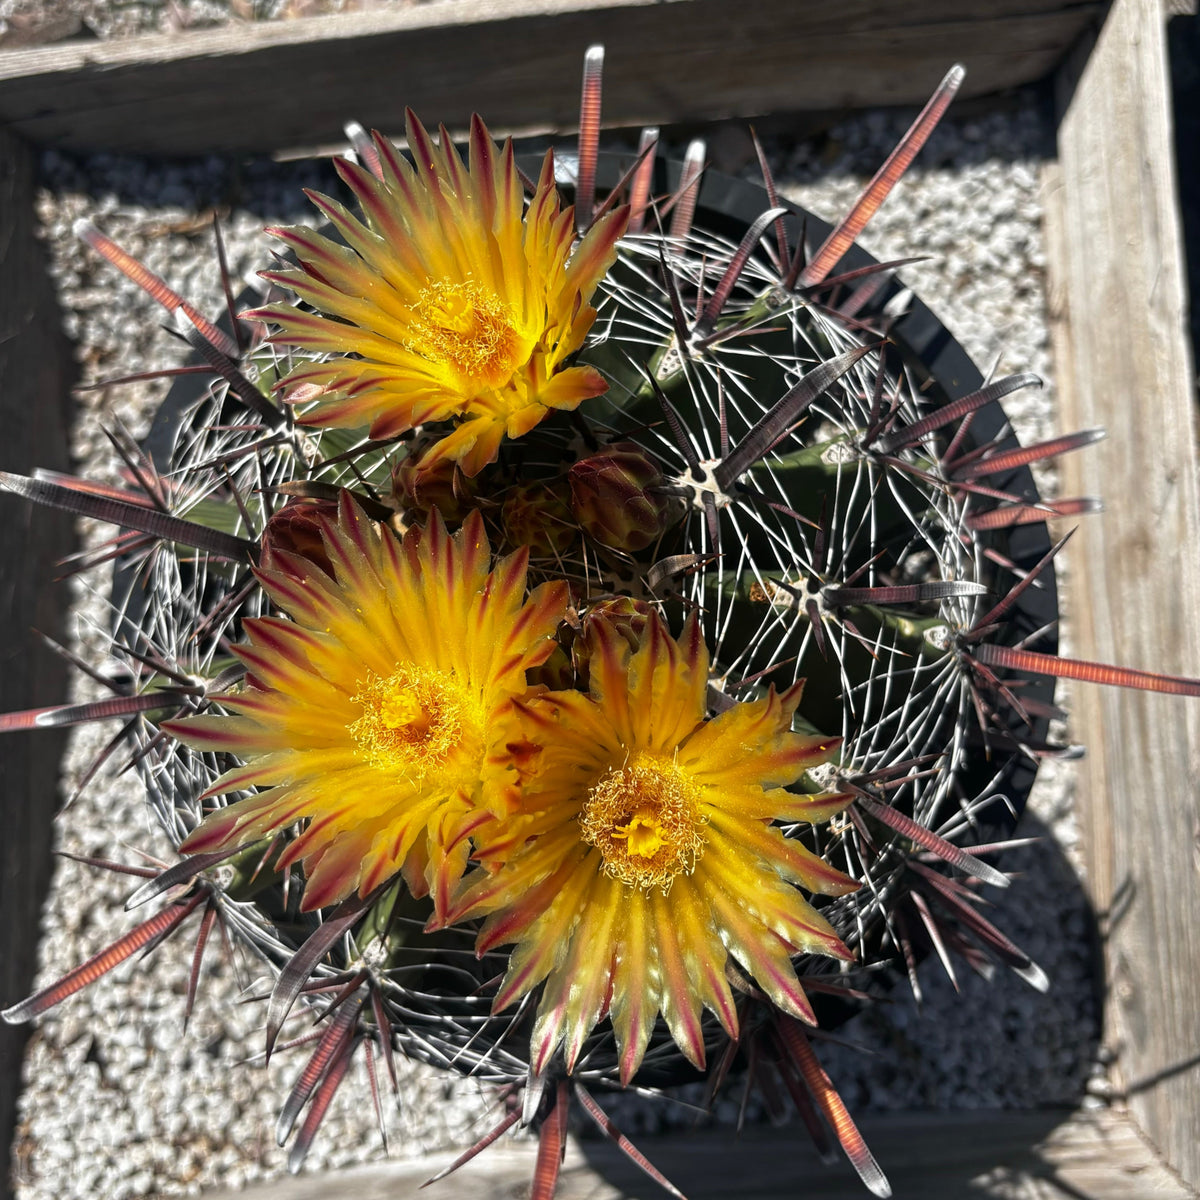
<point>1183,48</point>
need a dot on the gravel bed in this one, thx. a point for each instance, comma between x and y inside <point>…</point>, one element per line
<point>38,22</point>
<point>118,1101</point>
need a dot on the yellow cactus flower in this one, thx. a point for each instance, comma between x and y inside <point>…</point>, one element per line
<point>446,303</point>
<point>644,856</point>
<point>369,713</point>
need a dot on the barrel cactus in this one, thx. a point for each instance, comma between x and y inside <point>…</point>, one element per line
<point>578,635</point>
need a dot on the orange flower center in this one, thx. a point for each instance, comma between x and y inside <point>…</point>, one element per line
<point>412,720</point>
<point>644,818</point>
<point>467,328</point>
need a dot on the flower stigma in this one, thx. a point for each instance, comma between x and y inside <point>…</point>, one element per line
<point>644,818</point>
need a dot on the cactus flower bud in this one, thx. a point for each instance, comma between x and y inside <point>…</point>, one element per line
<point>625,614</point>
<point>296,529</point>
<point>557,673</point>
<point>420,487</point>
<point>535,516</point>
<point>615,499</point>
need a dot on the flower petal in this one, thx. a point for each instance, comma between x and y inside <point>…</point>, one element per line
<point>376,703</point>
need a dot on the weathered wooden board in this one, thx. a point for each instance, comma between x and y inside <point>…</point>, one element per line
<point>273,86</point>
<point>35,387</point>
<point>1118,318</point>
<point>1046,1155</point>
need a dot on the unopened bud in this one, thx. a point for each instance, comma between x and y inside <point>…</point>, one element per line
<point>616,498</point>
<point>419,487</point>
<point>624,614</point>
<point>535,516</point>
<point>556,673</point>
<point>296,529</point>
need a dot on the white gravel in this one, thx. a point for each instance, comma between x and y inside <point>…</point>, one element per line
<point>37,22</point>
<point>118,1101</point>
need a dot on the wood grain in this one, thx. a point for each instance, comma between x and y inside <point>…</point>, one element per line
<point>36,373</point>
<point>269,87</point>
<point>1118,323</point>
<point>1048,1155</point>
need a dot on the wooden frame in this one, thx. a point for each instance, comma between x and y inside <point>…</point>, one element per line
<point>278,86</point>
<point>37,371</point>
<point>1117,309</point>
<point>1046,1155</point>
<point>1119,321</point>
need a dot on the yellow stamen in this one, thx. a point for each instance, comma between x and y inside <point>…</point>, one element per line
<point>644,817</point>
<point>468,328</point>
<point>412,720</point>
